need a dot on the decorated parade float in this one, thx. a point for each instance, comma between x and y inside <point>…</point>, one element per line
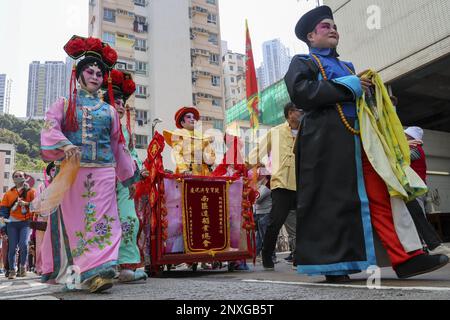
<point>196,219</point>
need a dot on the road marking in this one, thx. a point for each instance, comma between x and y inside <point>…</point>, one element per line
<point>43,297</point>
<point>30,295</point>
<point>22,287</point>
<point>8,284</point>
<point>348,286</point>
<point>32,283</point>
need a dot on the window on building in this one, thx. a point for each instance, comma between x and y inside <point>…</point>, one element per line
<point>140,19</point>
<point>216,102</point>
<point>141,141</point>
<point>141,117</point>
<point>212,18</point>
<point>5,189</point>
<point>109,38</point>
<point>8,153</point>
<point>126,36</point>
<point>6,175</point>
<point>233,91</point>
<point>140,44</point>
<point>232,79</point>
<point>215,81</point>
<point>140,24</point>
<point>109,15</point>
<point>218,124</point>
<point>214,58</point>
<point>140,3</point>
<point>141,67</point>
<point>231,68</point>
<point>7,161</point>
<point>213,38</point>
<point>141,91</point>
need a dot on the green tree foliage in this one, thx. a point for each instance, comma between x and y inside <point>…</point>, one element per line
<point>25,135</point>
<point>7,136</point>
<point>27,164</point>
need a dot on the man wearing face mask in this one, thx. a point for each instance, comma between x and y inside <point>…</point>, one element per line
<point>15,207</point>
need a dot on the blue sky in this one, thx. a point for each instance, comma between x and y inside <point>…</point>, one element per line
<point>32,30</point>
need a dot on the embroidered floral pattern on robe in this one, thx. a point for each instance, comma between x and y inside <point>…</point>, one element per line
<point>100,233</point>
<point>128,230</point>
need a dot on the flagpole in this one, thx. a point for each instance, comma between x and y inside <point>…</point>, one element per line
<point>252,94</point>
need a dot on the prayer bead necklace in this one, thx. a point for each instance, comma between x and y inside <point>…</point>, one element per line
<point>338,105</point>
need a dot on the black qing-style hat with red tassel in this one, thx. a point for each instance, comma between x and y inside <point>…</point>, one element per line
<point>122,84</point>
<point>123,87</point>
<point>93,51</point>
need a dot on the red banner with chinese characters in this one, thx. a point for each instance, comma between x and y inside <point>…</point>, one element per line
<point>206,221</point>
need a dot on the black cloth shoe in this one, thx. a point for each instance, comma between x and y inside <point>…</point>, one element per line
<point>267,261</point>
<point>420,264</point>
<point>337,279</point>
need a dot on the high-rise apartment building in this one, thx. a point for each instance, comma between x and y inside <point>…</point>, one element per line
<point>5,94</point>
<point>124,26</point>
<point>234,78</point>
<point>276,61</point>
<point>55,82</point>
<point>8,96</point>
<point>173,50</point>
<point>261,76</point>
<point>2,93</point>
<point>7,160</point>
<point>207,75</point>
<point>46,83</point>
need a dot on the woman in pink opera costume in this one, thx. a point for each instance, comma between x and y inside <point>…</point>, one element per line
<point>81,245</point>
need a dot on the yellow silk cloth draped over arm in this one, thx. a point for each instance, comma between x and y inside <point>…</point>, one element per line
<point>53,195</point>
<point>385,144</point>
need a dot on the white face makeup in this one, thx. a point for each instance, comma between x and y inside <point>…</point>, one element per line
<point>325,35</point>
<point>93,79</point>
<point>189,121</point>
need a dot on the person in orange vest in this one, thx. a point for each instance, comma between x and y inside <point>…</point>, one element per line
<point>15,206</point>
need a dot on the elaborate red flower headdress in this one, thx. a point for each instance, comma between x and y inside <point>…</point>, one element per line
<point>122,84</point>
<point>93,50</point>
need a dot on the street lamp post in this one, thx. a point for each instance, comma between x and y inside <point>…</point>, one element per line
<point>154,123</point>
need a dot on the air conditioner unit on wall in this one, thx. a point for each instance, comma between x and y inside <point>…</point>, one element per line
<point>121,67</point>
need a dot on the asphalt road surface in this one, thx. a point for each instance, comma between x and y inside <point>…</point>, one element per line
<point>256,284</point>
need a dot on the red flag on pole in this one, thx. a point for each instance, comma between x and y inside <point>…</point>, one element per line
<point>251,82</point>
